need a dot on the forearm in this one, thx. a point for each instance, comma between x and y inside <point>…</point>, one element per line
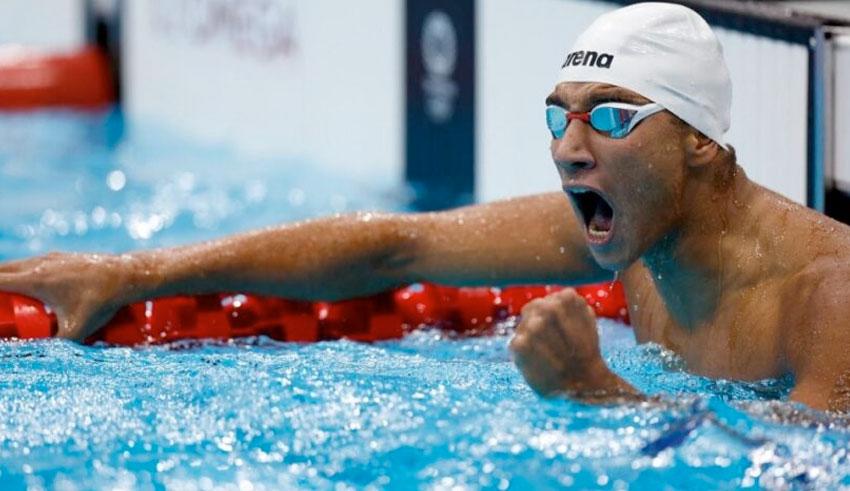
<point>331,258</point>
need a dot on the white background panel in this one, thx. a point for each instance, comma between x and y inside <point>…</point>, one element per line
<point>769,108</point>
<point>317,80</point>
<point>841,112</point>
<point>521,45</point>
<point>46,24</point>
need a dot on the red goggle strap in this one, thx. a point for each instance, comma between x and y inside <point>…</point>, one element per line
<point>580,116</point>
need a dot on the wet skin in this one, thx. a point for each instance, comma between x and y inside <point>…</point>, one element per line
<point>739,281</point>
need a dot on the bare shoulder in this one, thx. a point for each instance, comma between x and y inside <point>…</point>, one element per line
<point>815,306</point>
<point>809,252</point>
<point>820,288</point>
<point>816,324</point>
<point>810,232</point>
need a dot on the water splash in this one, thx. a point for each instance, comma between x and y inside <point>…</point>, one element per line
<point>422,412</point>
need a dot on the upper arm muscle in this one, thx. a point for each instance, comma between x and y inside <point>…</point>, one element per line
<point>533,239</point>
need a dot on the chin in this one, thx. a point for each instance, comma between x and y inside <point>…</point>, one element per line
<point>613,258</point>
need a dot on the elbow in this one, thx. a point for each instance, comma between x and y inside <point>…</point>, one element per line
<point>397,250</point>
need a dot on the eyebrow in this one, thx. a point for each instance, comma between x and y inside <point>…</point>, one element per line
<point>555,100</point>
<point>603,95</point>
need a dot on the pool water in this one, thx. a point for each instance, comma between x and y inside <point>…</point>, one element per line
<point>426,412</point>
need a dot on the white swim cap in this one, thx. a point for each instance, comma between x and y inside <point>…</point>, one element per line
<point>664,52</point>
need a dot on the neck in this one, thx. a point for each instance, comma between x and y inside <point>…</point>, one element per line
<point>691,265</point>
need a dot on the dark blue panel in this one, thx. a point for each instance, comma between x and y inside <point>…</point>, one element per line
<point>440,85</point>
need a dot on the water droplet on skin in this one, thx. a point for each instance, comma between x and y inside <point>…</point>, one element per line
<point>563,249</point>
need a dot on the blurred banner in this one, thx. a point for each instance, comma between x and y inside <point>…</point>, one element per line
<point>317,81</point>
<point>440,82</point>
<point>443,95</point>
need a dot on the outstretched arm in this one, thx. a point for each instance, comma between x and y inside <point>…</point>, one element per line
<point>533,239</point>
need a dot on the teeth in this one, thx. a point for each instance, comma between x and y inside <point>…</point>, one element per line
<point>597,234</point>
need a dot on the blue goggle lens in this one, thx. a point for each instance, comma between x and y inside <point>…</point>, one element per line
<point>556,120</point>
<point>612,121</point>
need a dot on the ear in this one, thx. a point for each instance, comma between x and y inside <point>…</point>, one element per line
<point>700,149</point>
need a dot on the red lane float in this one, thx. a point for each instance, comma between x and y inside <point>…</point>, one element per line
<point>30,79</point>
<point>384,316</point>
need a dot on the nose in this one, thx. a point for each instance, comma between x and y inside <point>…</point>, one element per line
<point>570,152</point>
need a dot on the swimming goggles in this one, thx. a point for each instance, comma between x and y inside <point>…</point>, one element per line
<point>615,119</point>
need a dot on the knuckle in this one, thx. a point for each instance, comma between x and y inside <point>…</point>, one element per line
<point>563,293</point>
<point>539,307</point>
<point>570,295</point>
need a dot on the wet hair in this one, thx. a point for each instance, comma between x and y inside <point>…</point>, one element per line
<point>729,154</point>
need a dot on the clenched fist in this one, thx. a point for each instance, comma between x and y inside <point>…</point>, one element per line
<point>556,347</point>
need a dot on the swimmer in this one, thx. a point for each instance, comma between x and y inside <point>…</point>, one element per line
<point>740,282</point>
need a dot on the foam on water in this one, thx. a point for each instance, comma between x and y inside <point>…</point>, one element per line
<point>423,412</point>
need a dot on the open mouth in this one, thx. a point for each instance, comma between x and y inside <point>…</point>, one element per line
<point>597,213</point>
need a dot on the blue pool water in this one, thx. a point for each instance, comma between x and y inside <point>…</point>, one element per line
<point>425,412</point>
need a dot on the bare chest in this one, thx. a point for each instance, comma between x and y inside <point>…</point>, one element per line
<point>739,341</point>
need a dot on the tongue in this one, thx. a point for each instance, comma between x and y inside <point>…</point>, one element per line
<point>600,221</point>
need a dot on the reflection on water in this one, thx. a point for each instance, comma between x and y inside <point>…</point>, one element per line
<point>73,185</point>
